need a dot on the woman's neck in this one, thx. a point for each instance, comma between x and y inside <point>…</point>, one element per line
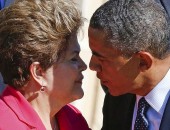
<point>44,109</point>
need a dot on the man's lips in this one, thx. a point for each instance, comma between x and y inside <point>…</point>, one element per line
<point>98,76</point>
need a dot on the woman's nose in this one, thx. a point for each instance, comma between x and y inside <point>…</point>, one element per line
<point>83,65</point>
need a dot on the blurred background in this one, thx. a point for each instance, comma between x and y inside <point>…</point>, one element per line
<point>92,102</point>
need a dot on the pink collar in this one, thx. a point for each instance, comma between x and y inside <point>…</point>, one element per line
<point>21,107</point>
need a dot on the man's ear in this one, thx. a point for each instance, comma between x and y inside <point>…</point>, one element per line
<point>146,60</point>
<point>37,72</point>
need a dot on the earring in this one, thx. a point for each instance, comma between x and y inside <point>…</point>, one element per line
<point>42,89</point>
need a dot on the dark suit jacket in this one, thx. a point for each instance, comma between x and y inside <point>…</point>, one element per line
<point>118,113</point>
<point>165,4</point>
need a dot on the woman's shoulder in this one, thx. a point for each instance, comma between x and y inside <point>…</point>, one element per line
<point>70,109</point>
<point>70,112</point>
<point>4,108</point>
<point>2,104</point>
<point>9,117</point>
<point>69,116</point>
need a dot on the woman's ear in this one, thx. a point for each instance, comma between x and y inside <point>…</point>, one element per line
<point>146,60</point>
<point>37,72</point>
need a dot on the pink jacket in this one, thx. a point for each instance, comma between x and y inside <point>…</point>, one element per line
<point>16,113</point>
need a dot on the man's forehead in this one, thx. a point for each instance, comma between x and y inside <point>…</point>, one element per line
<point>99,44</point>
<point>105,51</point>
<point>96,32</point>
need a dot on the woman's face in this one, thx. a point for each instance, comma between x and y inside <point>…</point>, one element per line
<point>64,79</point>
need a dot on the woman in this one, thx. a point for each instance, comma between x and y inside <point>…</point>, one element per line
<point>40,62</point>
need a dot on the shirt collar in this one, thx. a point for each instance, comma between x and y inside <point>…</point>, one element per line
<point>22,108</point>
<point>158,97</point>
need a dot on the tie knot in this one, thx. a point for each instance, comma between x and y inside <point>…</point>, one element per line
<point>143,105</point>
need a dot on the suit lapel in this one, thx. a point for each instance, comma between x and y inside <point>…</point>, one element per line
<point>165,123</point>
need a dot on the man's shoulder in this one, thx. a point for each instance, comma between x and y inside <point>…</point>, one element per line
<point>118,109</point>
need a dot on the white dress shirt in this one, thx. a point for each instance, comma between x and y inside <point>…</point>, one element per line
<point>157,100</point>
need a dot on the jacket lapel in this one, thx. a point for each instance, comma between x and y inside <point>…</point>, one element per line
<point>165,123</point>
<point>20,106</point>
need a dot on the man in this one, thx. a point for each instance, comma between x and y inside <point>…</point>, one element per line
<point>1,4</point>
<point>165,4</point>
<point>129,40</point>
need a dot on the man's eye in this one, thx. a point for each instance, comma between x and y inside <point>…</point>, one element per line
<point>102,59</point>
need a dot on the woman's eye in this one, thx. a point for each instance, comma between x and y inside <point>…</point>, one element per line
<point>74,59</point>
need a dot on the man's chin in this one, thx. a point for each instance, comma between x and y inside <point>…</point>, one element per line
<point>104,87</point>
<point>115,93</point>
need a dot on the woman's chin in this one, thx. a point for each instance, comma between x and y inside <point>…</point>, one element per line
<point>79,95</point>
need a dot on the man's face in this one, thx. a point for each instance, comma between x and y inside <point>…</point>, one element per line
<point>119,74</point>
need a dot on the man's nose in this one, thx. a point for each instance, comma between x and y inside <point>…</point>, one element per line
<point>94,64</point>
